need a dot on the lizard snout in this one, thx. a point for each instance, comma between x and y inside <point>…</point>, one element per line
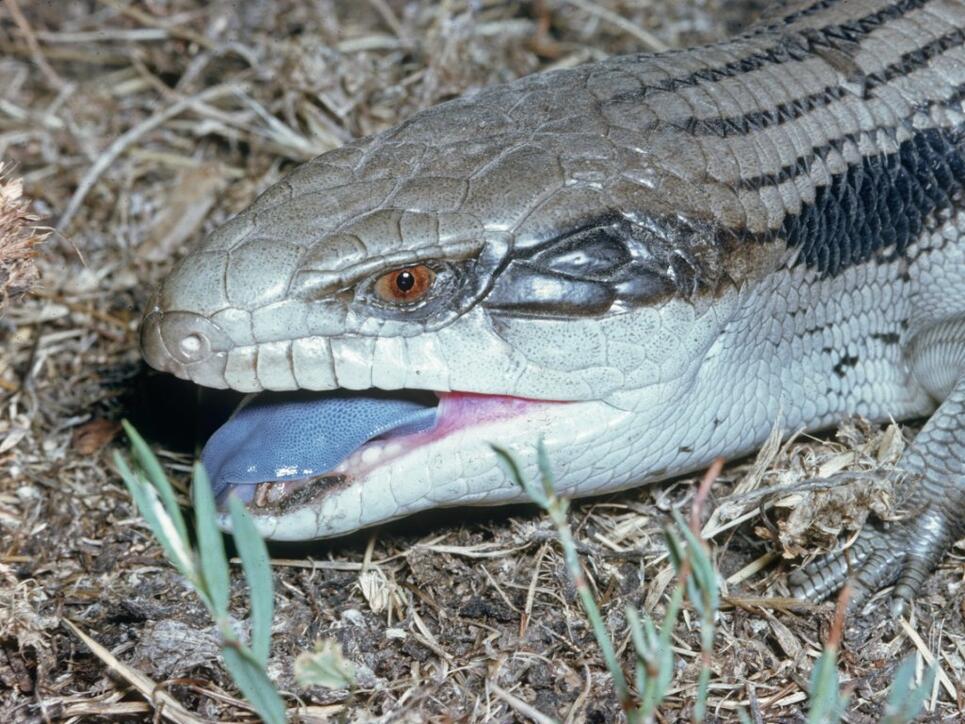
<point>185,344</point>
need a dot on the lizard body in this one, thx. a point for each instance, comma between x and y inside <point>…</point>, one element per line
<point>647,261</point>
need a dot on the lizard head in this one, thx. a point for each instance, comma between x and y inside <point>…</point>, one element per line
<point>510,254</point>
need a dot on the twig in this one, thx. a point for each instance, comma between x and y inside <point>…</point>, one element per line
<point>35,50</point>
<point>149,20</point>
<point>713,472</point>
<point>388,16</point>
<point>123,141</point>
<point>167,706</point>
<point>649,40</point>
<point>840,614</point>
<point>521,707</point>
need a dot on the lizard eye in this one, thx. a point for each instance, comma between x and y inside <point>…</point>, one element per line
<point>406,285</point>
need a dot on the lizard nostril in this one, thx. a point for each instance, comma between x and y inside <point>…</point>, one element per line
<point>191,338</point>
<point>193,346</point>
<point>170,340</point>
<point>187,344</point>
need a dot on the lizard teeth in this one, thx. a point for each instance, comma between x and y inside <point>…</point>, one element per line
<point>367,456</point>
<point>262,491</point>
<point>272,492</point>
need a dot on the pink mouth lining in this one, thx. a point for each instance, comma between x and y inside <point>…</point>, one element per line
<point>457,411</point>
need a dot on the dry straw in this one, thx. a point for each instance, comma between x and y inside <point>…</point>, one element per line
<point>19,237</point>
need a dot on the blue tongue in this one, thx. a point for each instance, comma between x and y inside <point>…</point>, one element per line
<point>290,436</point>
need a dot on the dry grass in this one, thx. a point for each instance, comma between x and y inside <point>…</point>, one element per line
<point>19,238</point>
<point>138,126</point>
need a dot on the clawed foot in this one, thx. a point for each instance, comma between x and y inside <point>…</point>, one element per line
<point>905,553</point>
<point>902,553</point>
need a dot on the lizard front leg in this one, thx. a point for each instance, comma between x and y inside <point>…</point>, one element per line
<point>904,553</point>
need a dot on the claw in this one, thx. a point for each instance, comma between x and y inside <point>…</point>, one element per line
<point>930,537</point>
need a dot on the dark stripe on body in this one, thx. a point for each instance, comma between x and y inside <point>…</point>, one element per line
<point>879,205</point>
<point>792,46</point>
<point>802,165</point>
<point>875,209</point>
<point>817,7</point>
<point>956,100</point>
<point>791,110</point>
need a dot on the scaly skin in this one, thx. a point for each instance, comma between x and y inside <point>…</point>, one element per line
<point>683,246</point>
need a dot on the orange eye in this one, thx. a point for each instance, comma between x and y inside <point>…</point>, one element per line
<point>409,284</point>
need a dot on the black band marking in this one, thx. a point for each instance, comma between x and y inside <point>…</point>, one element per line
<point>747,123</point>
<point>802,164</point>
<point>790,46</point>
<point>878,206</point>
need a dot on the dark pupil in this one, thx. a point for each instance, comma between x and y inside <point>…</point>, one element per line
<point>405,281</point>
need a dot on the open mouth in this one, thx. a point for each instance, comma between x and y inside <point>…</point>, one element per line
<point>280,450</point>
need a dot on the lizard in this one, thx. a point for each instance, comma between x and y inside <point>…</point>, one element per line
<point>646,261</point>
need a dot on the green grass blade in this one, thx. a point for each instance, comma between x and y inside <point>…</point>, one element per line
<point>703,690</point>
<point>674,547</point>
<point>155,498</point>
<point>703,572</point>
<point>904,699</point>
<point>155,474</point>
<point>899,688</point>
<point>636,632</point>
<point>255,562</point>
<point>254,683</point>
<point>214,562</point>
<point>665,671</point>
<point>826,700</point>
<point>597,624</point>
<point>509,463</point>
<point>916,698</point>
<point>176,549</point>
<point>545,469</point>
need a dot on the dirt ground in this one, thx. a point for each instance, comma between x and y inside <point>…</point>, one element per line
<point>138,126</point>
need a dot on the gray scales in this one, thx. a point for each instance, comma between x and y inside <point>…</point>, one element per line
<point>649,261</point>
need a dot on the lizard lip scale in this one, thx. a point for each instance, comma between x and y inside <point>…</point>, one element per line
<point>236,463</point>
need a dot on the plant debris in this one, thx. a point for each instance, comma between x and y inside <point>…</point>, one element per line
<point>19,237</point>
